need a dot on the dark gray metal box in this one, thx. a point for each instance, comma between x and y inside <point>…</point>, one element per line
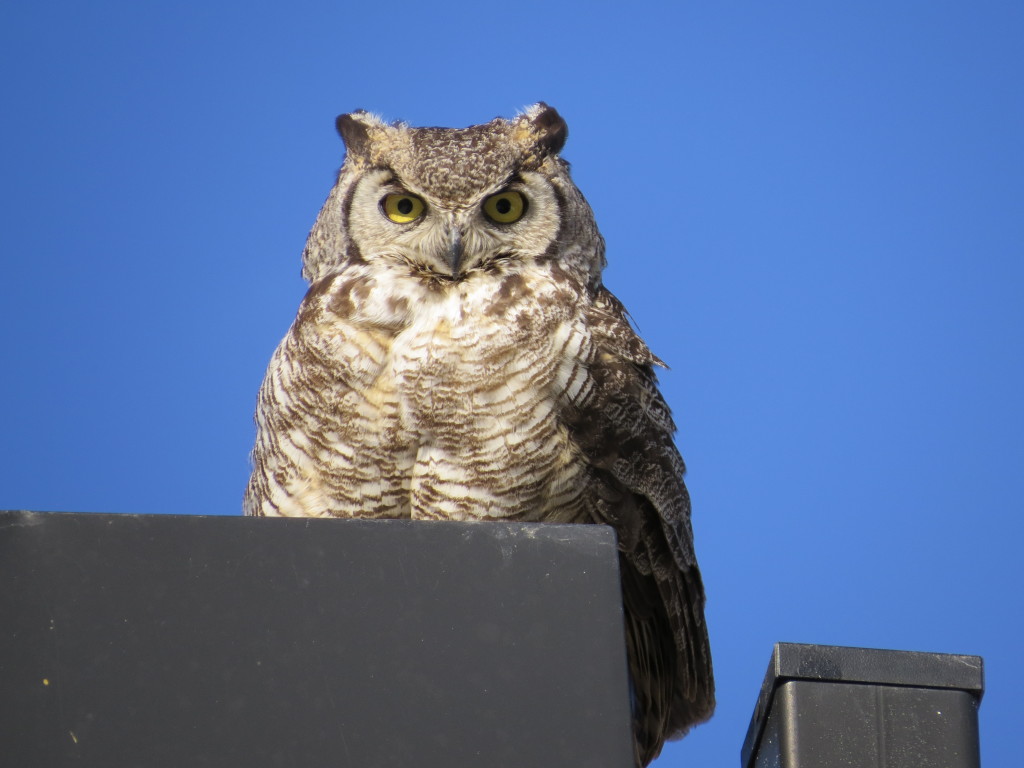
<point>830,707</point>
<point>152,641</point>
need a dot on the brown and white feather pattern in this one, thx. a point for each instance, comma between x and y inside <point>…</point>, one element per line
<point>453,367</point>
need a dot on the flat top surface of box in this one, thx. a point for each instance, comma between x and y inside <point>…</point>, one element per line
<point>218,641</point>
<point>839,664</point>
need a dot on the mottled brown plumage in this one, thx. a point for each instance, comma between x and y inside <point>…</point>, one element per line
<point>457,358</point>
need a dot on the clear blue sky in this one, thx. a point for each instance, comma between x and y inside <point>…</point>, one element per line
<point>814,211</point>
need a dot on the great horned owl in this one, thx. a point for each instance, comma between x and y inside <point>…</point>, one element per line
<point>458,358</point>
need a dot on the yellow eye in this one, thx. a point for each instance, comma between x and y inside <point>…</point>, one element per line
<point>401,208</point>
<point>505,207</point>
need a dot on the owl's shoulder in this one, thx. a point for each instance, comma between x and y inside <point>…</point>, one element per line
<point>609,322</point>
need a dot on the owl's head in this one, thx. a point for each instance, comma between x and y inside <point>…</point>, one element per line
<point>448,203</point>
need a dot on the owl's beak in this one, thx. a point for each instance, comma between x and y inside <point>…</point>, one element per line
<point>456,250</point>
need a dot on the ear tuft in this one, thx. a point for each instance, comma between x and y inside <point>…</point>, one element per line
<point>354,129</point>
<point>548,126</point>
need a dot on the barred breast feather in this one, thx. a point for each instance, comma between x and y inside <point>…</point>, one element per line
<point>392,400</point>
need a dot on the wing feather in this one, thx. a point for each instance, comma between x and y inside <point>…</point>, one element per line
<point>625,429</point>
